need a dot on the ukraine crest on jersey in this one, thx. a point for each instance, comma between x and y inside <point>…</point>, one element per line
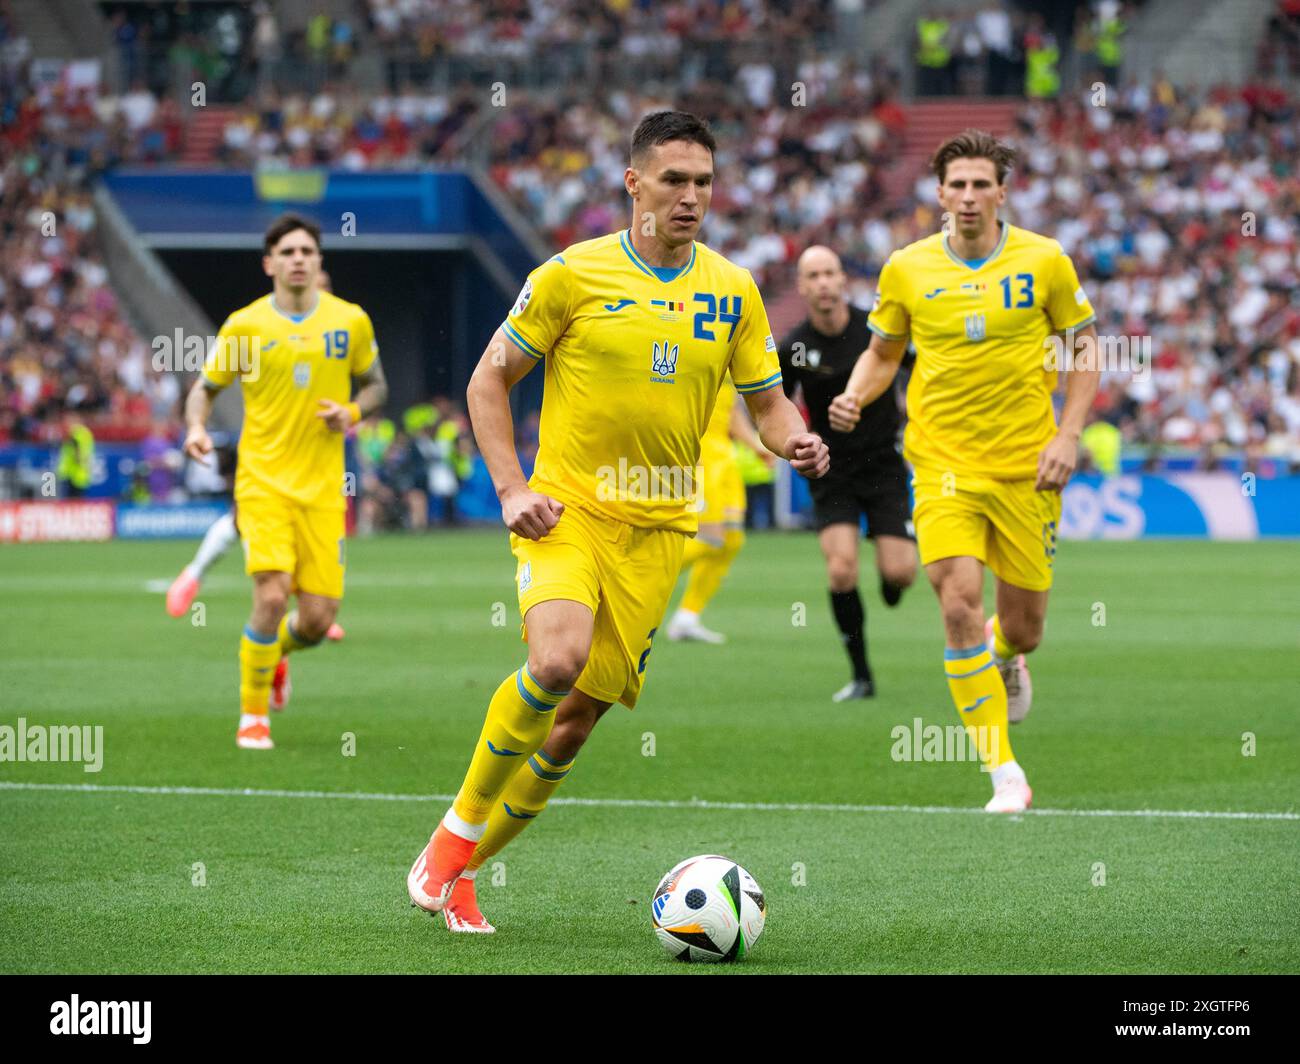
<point>634,360</point>
<point>980,397</point>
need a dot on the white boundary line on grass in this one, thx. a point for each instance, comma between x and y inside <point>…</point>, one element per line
<point>639,803</point>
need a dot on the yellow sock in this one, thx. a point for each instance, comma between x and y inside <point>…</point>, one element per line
<point>1001,647</point>
<point>525,796</point>
<point>981,700</point>
<point>708,572</point>
<point>519,719</point>
<point>258,656</point>
<point>289,639</point>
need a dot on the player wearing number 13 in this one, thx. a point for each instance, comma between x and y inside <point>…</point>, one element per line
<point>981,302</point>
<point>295,354</point>
<point>636,331</point>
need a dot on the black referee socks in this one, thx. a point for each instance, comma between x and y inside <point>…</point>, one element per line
<point>849,616</point>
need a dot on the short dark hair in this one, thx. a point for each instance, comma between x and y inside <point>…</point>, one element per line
<point>974,144</point>
<point>663,126</point>
<point>286,224</point>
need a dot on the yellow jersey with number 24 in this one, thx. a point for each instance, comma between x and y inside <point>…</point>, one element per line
<point>635,357</point>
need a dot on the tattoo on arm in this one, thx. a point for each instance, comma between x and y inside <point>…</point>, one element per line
<point>372,388</point>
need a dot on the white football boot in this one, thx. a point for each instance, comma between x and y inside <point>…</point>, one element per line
<point>1011,793</point>
<point>685,627</point>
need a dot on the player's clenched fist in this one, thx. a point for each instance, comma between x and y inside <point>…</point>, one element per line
<point>844,413</point>
<point>528,514</point>
<point>198,443</point>
<point>808,454</point>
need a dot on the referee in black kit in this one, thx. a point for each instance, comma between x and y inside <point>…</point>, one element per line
<point>867,475</point>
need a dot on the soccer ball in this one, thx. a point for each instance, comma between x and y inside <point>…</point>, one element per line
<point>708,909</point>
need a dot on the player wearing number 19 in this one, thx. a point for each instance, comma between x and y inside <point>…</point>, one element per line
<point>981,302</point>
<point>295,354</point>
<point>636,330</point>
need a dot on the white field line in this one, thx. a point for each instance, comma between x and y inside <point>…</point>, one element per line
<point>641,803</point>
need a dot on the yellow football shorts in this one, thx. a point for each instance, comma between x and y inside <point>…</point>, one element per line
<point>281,536</point>
<point>624,574</point>
<point>723,490</point>
<point>1006,524</point>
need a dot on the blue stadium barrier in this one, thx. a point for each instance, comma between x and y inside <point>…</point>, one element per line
<point>1218,505</point>
<point>1188,505</point>
<point>187,520</point>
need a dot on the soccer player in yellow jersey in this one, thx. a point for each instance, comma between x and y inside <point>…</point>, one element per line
<point>709,555</point>
<point>981,302</point>
<point>295,354</point>
<point>637,331</point>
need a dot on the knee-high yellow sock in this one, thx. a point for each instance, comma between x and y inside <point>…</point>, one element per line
<point>708,572</point>
<point>981,700</point>
<point>525,796</point>
<point>695,549</point>
<point>258,656</point>
<point>1002,647</point>
<point>290,640</point>
<point>519,719</point>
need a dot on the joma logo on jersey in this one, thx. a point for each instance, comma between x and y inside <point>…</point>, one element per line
<point>975,327</point>
<point>663,362</point>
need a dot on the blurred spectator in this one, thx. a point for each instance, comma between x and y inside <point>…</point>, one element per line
<point>161,457</point>
<point>993,24</point>
<point>1108,36</point>
<point>76,458</point>
<point>934,62</point>
<point>1279,46</point>
<point>759,479</point>
<point>1042,62</point>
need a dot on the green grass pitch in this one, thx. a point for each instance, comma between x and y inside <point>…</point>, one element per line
<point>1144,712</point>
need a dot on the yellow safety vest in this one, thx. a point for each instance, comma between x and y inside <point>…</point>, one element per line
<point>1104,442</point>
<point>931,50</point>
<point>1109,49</point>
<point>753,470</point>
<point>1041,78</point>
<point>375,438</point>
<point>417,417</point>
<point>77,457</point>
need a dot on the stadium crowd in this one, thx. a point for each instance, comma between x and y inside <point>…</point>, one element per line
<point>67,351</point>
<point>1181,210</point>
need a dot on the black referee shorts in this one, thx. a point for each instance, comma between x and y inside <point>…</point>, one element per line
<point>874,486</point>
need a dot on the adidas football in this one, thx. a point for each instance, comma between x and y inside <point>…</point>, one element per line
<point>708,909</point>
